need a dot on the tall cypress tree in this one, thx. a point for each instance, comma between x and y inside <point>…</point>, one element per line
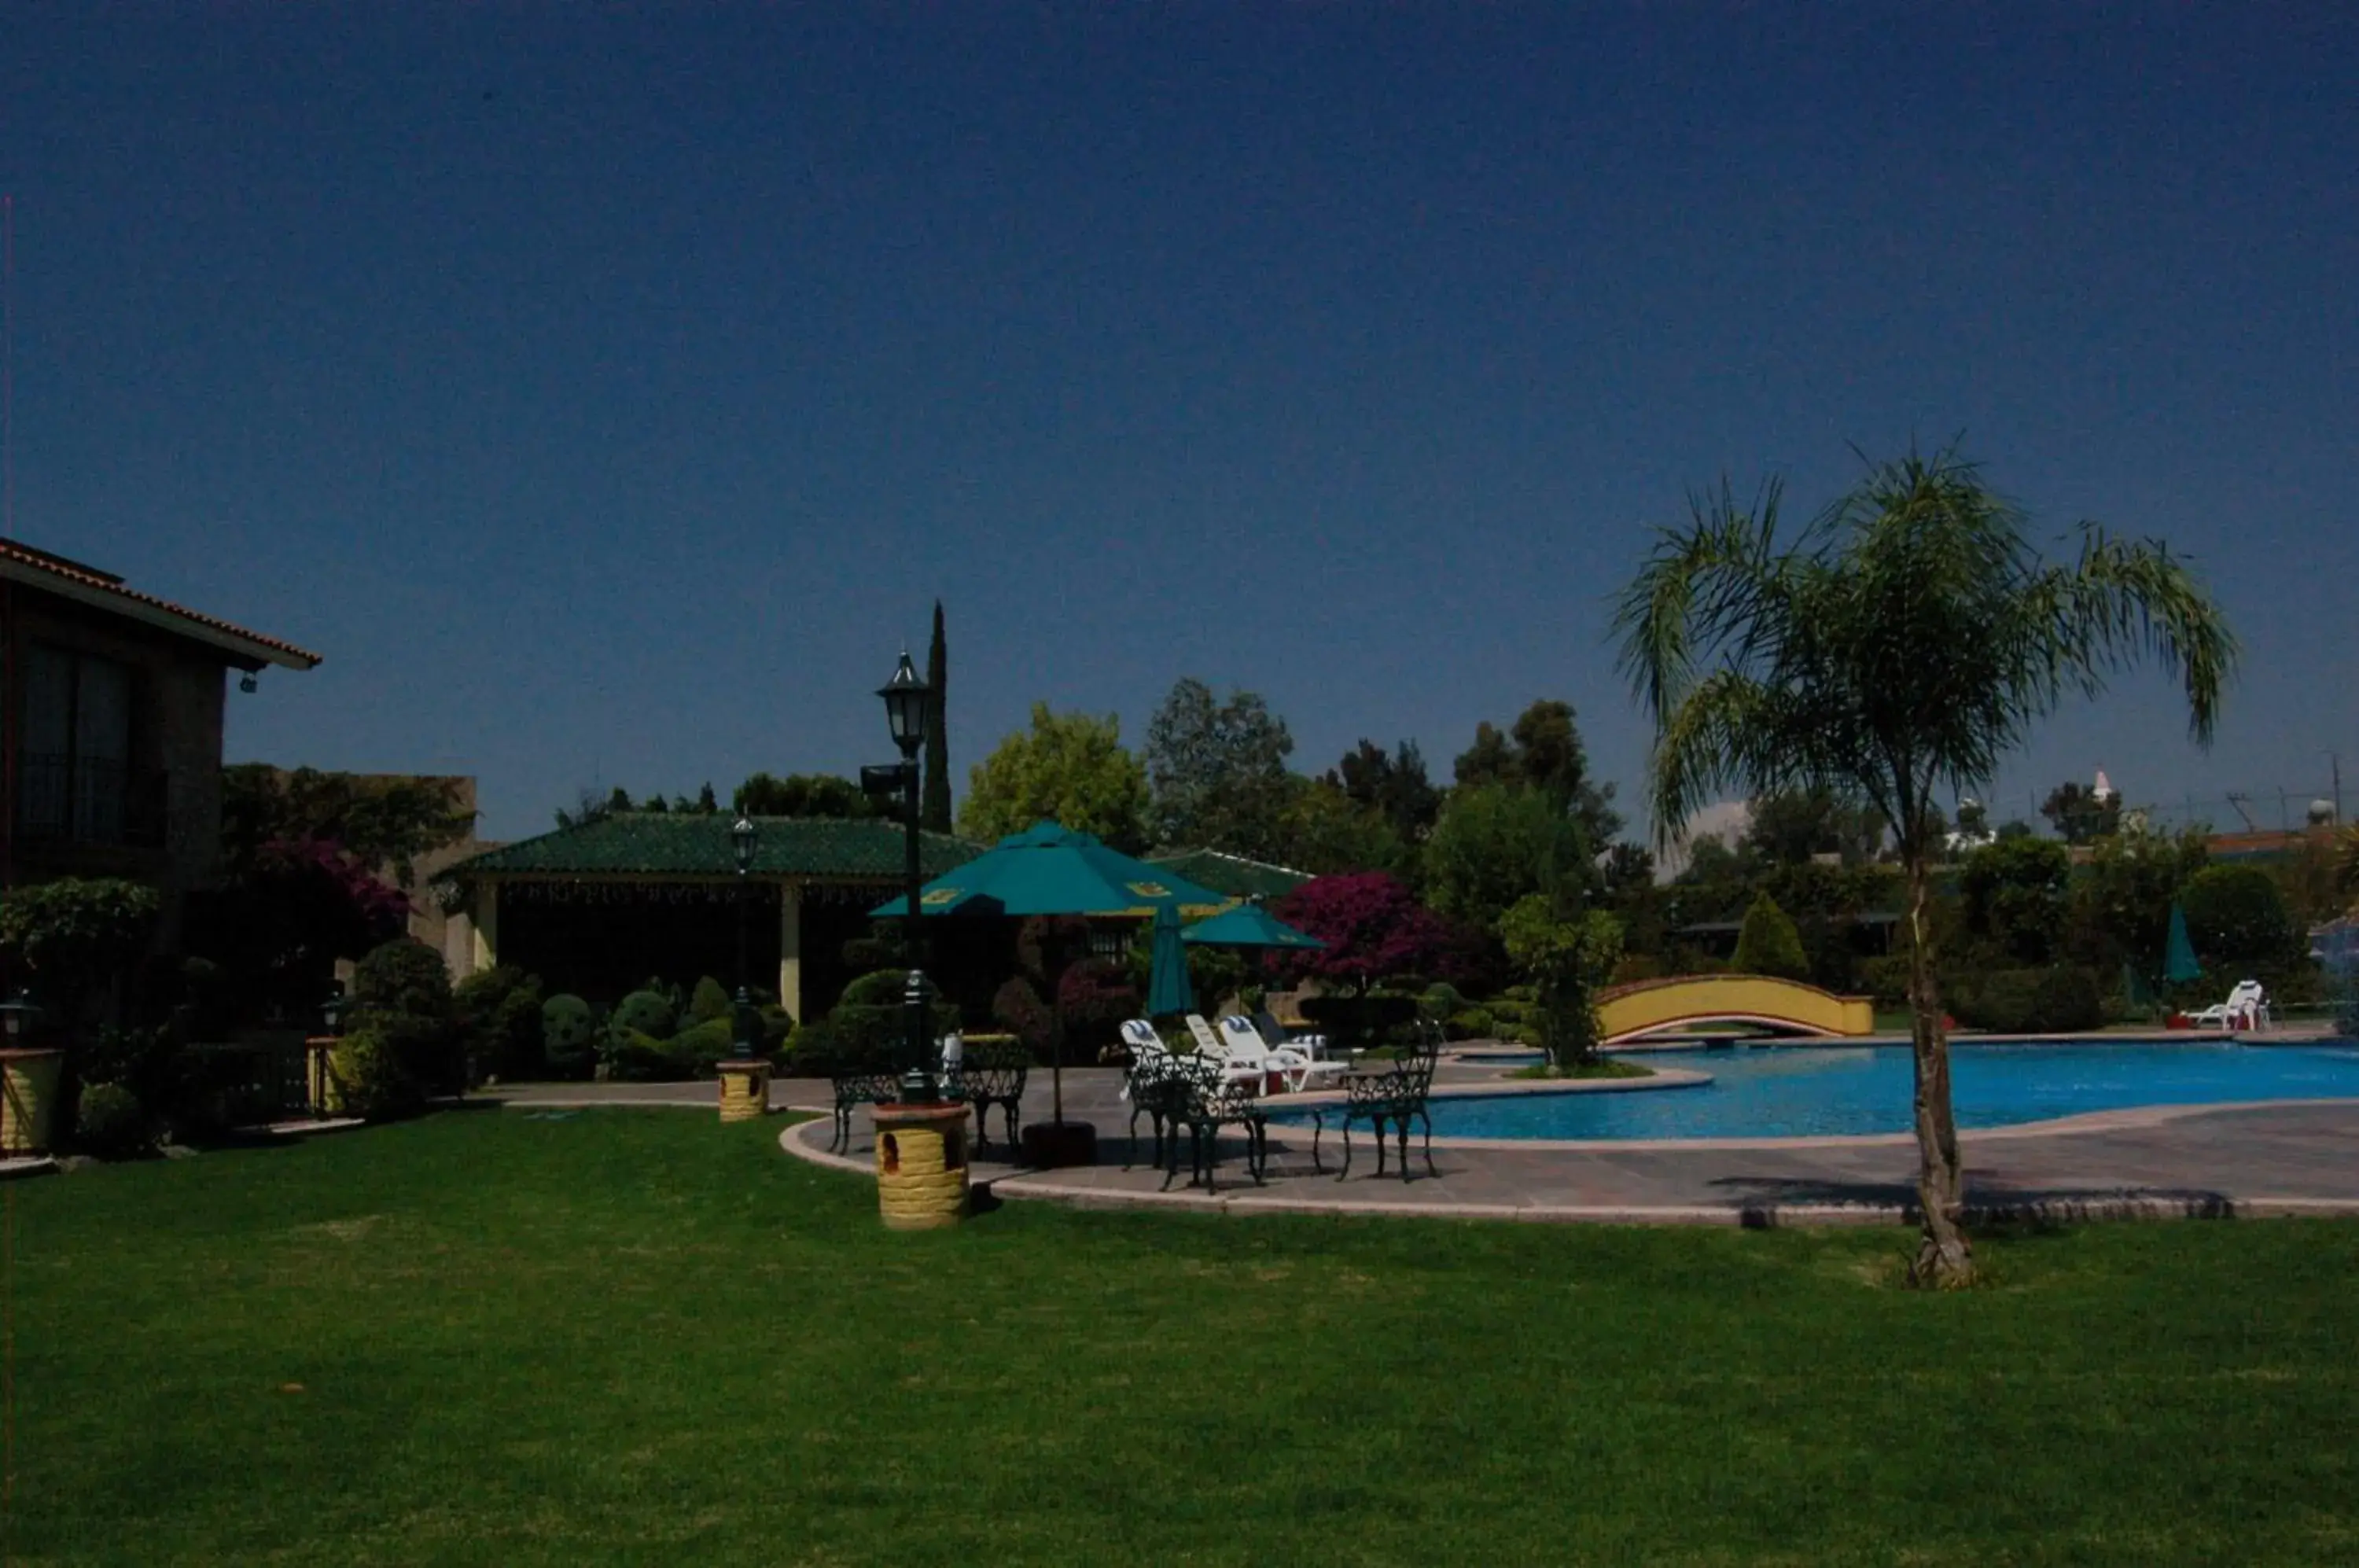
<point>934,810</point>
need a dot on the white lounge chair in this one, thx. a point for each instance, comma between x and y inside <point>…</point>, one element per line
<point>1236,1071</point>
<point>1314,1046</point>
<point>1140,1037</point>
<point>1296,1068</point>
<point>2247,1008</point>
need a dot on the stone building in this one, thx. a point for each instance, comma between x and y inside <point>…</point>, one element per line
<point>112,712</point>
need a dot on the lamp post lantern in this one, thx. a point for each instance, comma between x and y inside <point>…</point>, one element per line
<point>18,1014</point>
<point>746,1023</point>
<point>907,711</point>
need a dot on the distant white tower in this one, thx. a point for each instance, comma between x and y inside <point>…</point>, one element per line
<point>2104,790</point>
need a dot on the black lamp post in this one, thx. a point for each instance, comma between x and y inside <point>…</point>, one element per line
<point>18,1014</point>
<point>746,1023</point>
<point>907,711</point>
<point>332,1010</point>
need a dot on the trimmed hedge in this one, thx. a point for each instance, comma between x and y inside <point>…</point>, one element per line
<point>2060,1000</point>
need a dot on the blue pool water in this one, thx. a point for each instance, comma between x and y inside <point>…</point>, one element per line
<point>1799,1092</point>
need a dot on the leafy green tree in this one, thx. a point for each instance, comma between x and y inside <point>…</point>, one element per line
<point>1068,768</point>
<point>1543,751</point>
<point>2081,814</point>
<point>934,807</point>
<point>1566,960</point>
<point>2236,916</point>
<point>76,936</point>
<point>2120,901</point>
<point>2017,898</point>
<point>1902,644</point>
<point>801,795</point>
<point>1769,943</point>
<point>1392,784</point>
<point>382,822</point>
<point>1497,842</point>
<point>1328,833</point>
<point>1790,827</point>
<point>1217,772</point>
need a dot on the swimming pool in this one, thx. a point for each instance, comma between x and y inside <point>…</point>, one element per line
<point>1803,1090</point>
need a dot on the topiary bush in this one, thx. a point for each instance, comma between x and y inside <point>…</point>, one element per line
<point>867,1026</point>
<point>500,1018</point>
<point>1442,1000</point>
<point>373,1078</point>
<point>709,1001</point>
<point>402,1005</point>
<point>646,1012</point>
<point>112,1123</point>
<point>1770,943</point>
<point>568,1036</point>
<point>1471,1023</point>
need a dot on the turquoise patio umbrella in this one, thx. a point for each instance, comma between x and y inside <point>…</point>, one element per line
<point>1167,991</point>
<point>2178,953</point>
<point>1248,925</point>
<point>1051,870</point>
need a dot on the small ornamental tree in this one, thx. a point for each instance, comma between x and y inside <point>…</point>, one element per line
<point>1371,923</point>
<point>1769,943</point>
<point>1566,961</point>
<point>77,934</point>
<point>2236,916</point>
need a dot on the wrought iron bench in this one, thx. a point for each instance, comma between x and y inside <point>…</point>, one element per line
<point>990,1073</point>
<point>1203,1103</point>
<point>854,1089</point>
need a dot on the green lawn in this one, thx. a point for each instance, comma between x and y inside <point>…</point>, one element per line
<point>642,1337</point>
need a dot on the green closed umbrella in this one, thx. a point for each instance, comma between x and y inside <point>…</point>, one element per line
<point>1248,925</point>
<point>1168,990</point>
<point>2178,953</point>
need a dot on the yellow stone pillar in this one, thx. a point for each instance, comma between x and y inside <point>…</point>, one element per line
<point>321,1086</point>
<point>791,951</point>
<point>922,1172</point>
<point>485,918</point>
<point>745,1088</point>
<point>28,1099</point>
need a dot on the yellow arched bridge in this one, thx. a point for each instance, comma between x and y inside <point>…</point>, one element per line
<point>1684,1002</point>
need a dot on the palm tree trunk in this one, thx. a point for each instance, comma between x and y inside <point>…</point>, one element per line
<point>1944,1261</point>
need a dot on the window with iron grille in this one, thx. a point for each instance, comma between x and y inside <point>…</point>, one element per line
<point>75,778</point>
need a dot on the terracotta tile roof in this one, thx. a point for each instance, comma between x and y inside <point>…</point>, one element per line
<point>91,580</point>
<point>661,843</point>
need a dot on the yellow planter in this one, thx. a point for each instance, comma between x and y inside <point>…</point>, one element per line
<point>745,1088</point>
<point>921,1170</point>
<point>28,1100</point>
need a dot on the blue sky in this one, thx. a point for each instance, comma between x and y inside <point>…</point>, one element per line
<point>610,395</point>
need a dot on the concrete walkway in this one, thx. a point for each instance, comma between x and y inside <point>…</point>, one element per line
<point>2283,1158</point>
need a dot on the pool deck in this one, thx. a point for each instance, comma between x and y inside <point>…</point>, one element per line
<point>2281,1157</point>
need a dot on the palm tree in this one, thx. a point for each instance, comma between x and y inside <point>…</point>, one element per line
<point>1898,645</point>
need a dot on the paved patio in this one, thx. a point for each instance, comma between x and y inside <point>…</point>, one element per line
<point>2284,1157</point>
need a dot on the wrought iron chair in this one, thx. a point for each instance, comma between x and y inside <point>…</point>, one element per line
<point>1205,1102</point>
<point>993,1073</point>
<point>1152,1085</point>
<point>1398,1096</point>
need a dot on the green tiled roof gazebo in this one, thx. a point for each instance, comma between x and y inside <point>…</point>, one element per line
<point>606,905</point>
<point>1232,875</point>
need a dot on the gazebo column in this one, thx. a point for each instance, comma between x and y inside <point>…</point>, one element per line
<point>483,914</point>
<point>791,950</point>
